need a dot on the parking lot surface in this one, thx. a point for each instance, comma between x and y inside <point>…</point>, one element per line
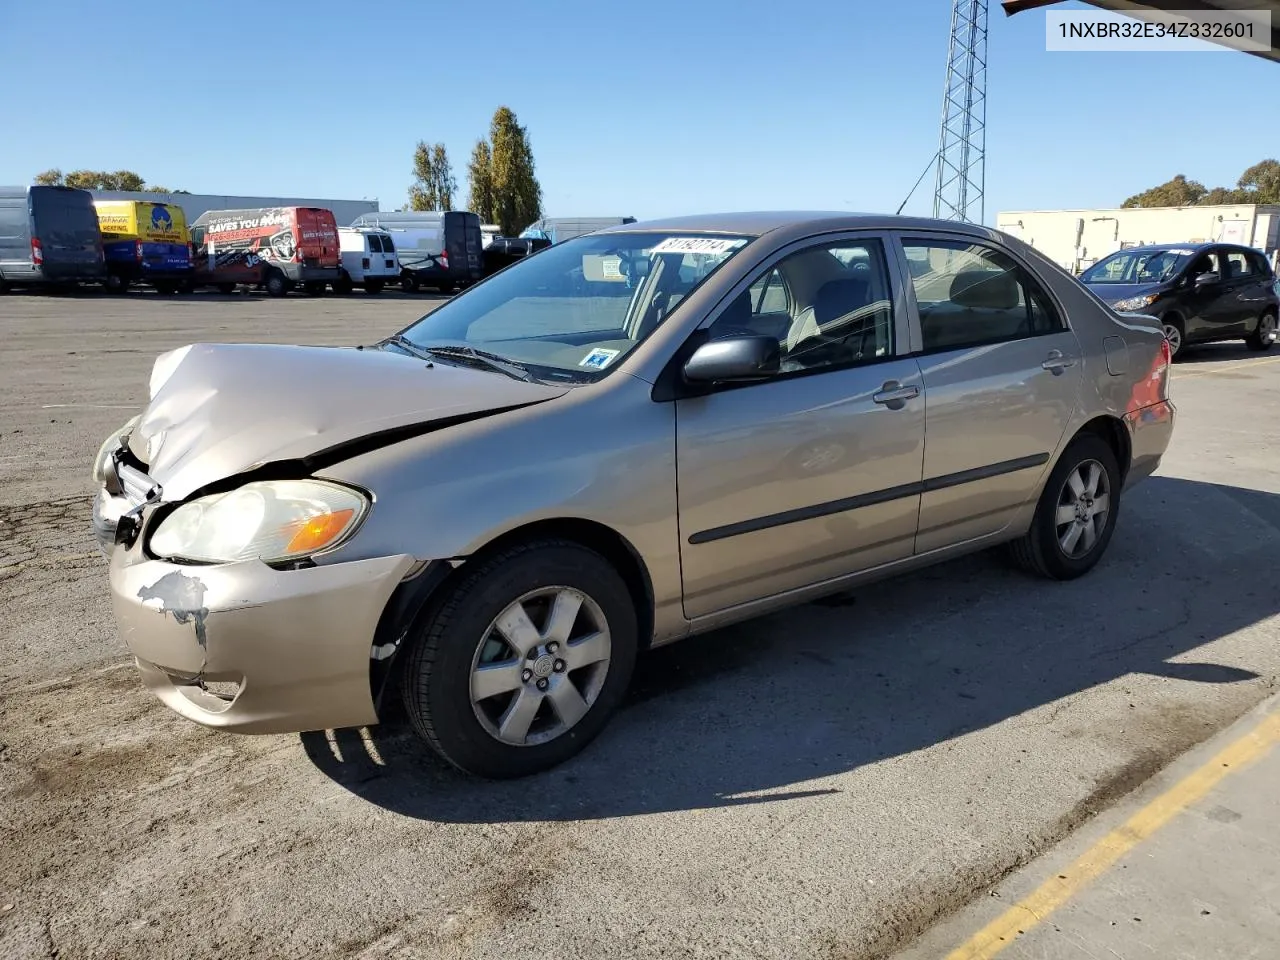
<point>826,782</point>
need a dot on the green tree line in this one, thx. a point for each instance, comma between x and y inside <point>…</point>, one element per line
<point>100,180</point>
<point>502,184</point>
<point>1259,184</point>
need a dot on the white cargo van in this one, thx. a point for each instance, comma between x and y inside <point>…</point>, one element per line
<point>369,260</point>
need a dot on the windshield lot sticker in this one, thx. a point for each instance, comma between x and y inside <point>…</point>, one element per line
<point>598,358</point>
<point>711,245</point>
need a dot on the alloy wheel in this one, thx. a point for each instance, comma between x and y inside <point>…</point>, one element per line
<point>540,666</point>
<point>1083,506</point>
<point>1174,336</point>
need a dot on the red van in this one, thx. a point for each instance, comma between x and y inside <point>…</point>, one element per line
<point>276,248</point>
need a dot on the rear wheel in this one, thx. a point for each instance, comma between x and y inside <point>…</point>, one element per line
<point>165,289</point>
<point>409,283</point>
<point>524,661</point>
<point>1174,332</point>
<point>1264,335</point>
<point>226,288</point>
<point>116,283</point>
<point>313,288</point>
<point>277,284</point>
<point>373,286</point>
<point>343,284</point>
<point>1076,514</point>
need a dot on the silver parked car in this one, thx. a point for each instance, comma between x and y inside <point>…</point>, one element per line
<point>635,436</point>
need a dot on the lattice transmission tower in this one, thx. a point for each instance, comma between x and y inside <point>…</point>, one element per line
<point>961,174</point>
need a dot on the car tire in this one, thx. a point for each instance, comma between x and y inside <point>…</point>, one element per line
<point>409,283</point>
<point>452,637</point>
<point>277,284</point>
<point>314,288</point>
<point>343,284</point>
<point>373,286</point>
<point>227,288</point>
<point>1048,549</point>
<point>116,284</point>
<point>1175,332</point>
<point>1264,335</point>
<point>165,289</point>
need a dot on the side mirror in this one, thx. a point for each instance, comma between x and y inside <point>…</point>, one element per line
<point>733,358</point>
<point>1205,280</point>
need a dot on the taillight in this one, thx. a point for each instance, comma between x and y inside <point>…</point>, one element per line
<point>1166,353</point>
<point>191,252</point>
<point>444,259</point>
<point>137,251</point>
<point>364,262</point>
<point>37,252</point>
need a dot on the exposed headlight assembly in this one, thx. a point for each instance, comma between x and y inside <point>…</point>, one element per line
<point>271,521</point>
<point>1135,303</point>
<point>108,447</point>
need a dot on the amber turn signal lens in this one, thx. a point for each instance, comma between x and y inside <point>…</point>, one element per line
<point>316,533</point>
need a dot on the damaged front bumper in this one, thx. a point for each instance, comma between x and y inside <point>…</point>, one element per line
<point>245,647</point>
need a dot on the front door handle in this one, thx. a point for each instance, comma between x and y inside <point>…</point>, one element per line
<point>894,395</point>
<point>1056,362</point>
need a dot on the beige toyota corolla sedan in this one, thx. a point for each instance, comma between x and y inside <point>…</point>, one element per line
<point>626,439</point>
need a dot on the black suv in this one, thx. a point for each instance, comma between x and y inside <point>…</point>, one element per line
<point>1201,292</point>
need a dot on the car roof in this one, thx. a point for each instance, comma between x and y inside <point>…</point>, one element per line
<point>1175,245</point>
<point>758,223</point>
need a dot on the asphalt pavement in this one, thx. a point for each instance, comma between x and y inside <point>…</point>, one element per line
<point>827,782</point>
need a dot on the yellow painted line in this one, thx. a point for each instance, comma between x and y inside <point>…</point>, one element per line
<point>1235,365</point>
<point>1052,894</point>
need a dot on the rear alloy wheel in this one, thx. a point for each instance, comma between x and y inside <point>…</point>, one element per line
<point>524,661</point>
<point>1076,514</point>
<point>277,284</point>
<point>1173,332</point>
<point>1264,335</point>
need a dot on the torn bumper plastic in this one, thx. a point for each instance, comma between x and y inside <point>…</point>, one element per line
<point>250,649</point>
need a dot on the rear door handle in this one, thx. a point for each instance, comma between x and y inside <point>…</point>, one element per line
<point>894,395</point>
<point>1056,362</point>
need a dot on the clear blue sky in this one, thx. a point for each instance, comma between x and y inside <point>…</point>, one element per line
<point>641,109</point>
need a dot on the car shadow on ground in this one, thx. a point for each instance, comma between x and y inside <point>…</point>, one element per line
<point>821,689</point>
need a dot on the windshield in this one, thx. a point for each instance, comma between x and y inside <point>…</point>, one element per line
<point>571,312</point>
<point>1138,266</point>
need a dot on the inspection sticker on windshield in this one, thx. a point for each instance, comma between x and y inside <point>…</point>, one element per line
<point>711,245</point>
<point>599,358</point>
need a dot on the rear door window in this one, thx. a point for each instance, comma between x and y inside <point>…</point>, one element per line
<point>375,243</point>
<point>1238,266</point>
<point>387,245</point>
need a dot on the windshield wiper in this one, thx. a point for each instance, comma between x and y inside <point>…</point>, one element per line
<point>407,345</point>
<point>493,361</point>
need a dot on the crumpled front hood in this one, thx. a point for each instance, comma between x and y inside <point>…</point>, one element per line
<point>217,410</point>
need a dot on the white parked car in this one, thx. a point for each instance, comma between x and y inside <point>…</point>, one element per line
<point>369,260</point>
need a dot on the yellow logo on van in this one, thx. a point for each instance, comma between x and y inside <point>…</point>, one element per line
<point>140,220</point>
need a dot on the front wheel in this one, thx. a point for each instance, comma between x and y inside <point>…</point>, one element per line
<point>1174,333</point>
<point>409,283</point>
<point>1076,514</point>
<point>523,662</point>
<point>1264,335</point>
<point>117,284</point>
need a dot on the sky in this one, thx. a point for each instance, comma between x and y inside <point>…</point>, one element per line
<point>645,109</point>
